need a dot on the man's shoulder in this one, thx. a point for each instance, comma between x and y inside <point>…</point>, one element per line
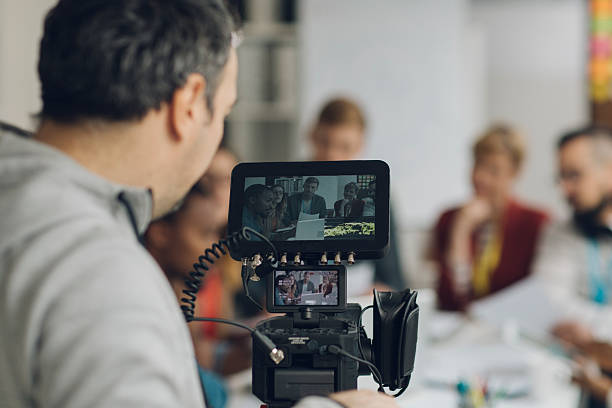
<point>92,252</point>
<point>562,231</point>
<point>43,194</point>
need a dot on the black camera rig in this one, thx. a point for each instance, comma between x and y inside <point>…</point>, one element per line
<point>319,346</point>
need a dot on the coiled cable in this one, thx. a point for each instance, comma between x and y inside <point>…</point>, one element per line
<point>231,243</point>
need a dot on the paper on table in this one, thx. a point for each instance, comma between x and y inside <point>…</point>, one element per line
<point>526,305</point>
<point>305,216</point>
<point>506,367</point>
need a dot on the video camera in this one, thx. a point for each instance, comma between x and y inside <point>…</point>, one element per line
<point>283,227</point>
<point>297,222</point>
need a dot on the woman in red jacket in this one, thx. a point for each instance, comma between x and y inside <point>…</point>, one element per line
<point>489,242</point>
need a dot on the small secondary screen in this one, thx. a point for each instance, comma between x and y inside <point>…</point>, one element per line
<point>309,288</point>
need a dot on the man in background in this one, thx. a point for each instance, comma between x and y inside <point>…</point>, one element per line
<point>575,257</point>
<point>574,260</point>
<point>305,285</point>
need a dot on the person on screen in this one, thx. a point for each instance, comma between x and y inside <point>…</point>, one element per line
<point>281,290</point>
<point>369,203</point>
<point>305,285</point>
<point>307,202</point>
<point>349,206</point>
<point>489,242</point>
<point>259,206</point>
<point>323,284</point>
<point>280,217</point>
<point>292,286</point>
<point>325,287</point>
<point>574,258</point>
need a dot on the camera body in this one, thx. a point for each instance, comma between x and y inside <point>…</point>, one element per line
<point>324,345</point>
<point>313,321</point>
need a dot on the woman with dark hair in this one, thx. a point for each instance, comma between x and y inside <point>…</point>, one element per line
<point>292,287</point>
<point>279,219</point>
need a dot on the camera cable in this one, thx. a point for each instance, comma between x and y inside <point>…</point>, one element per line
<point>194,282</point>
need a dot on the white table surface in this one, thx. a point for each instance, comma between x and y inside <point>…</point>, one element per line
<point>549,374</point>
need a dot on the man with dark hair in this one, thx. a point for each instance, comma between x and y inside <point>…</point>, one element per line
<point>307,201</point>
<point>134,97</point>
<point>575,258</point>
<point>258,207</point>
<point>305,285</point>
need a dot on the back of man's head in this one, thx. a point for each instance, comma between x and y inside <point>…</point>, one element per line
<point>115,60</point>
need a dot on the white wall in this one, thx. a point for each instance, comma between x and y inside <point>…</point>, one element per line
<point>432,75</point>
<point>20,32</point>
<point>535,77</point>
<point>405,62</point>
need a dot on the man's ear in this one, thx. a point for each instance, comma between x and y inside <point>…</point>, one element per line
<point>187,109</point>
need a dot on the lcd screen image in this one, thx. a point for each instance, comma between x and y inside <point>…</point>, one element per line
<point>310,288</point>
<point>309,208</point>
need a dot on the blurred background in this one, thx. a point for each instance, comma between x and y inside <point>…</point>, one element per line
<point>430,76</point>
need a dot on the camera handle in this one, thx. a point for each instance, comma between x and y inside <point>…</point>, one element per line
<point>396,319</point>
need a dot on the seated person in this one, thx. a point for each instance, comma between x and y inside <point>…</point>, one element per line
<point>325,287</point>
<point>369,205</point>
<point>349,206</point>
<point>339,134</point>
<point>282,286</point>
<point>305,285</point>
<point>280,216</point>
<point>307,201</point>
<point>292,286</point>
<point>176,241</point>
<point>574,259</point>
<point>489,242</point>
<point>259,206</point>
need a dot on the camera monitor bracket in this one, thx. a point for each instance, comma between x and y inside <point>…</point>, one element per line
<point>312,211</point>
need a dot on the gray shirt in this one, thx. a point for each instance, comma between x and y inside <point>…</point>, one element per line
<point>87,318</point>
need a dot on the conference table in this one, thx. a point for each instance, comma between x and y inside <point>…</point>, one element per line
<point>453,348</point>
